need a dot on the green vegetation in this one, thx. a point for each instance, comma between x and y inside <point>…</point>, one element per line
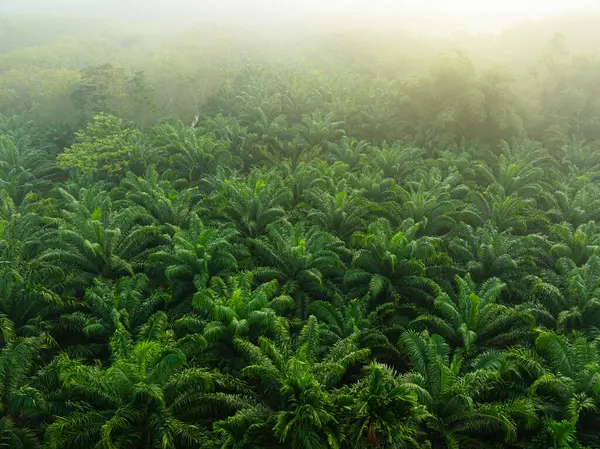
<point>199,250</point>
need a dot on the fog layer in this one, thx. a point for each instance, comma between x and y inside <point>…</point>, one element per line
<point>473,15</point>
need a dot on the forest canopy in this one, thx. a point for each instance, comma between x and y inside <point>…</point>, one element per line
<point>353,238</point>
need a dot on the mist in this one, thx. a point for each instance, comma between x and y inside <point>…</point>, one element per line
<point>459,15</point>
<point>324,224</point>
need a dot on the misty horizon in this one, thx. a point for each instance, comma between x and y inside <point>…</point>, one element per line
<point>453,16</point>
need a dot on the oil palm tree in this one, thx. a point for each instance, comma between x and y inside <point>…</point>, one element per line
<point>565,383</point>
<point>236,309</point>
<point>501,211</point>
<point>170,207</point>
<point>318,129</point>
<point>196,255</point>
<point>577,244</point>
<point>521,178</point>
<point>473,321</point>
<point>147,396</point>
<point>24,168</point>
<point>389,264</point>
<point>32,308</point>
<point>576,204</point>
<point>486,253</point>
<point>102,241</point>
<point>23,236</point>
<point>461,414</point>
<point>252,206</point>
<point>20,402</point>
<point>383,411</point>
<point>378,189</point>
<point>241,142</point>
<point>339,318</point>
<point>347,150</point>
<point>427,202</point>
<point>304,261</point>
<point>191,154</point>
<point>128,302</point>
<point>340,214</point>
<point>398,161</point>
<point>298,384</point>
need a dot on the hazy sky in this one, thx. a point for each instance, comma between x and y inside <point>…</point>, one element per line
<point>478,15</point>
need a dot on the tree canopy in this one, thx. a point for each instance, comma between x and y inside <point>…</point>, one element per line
<point>283,252</point>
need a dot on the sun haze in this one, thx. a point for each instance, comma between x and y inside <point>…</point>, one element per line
<point>476,15</point>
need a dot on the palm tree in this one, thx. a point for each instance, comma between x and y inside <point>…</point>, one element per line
<point>398,161</point>
<point>20,402</point>
<point>347,150</point>
<point>234,309</point>
<point>102,241</point>
<point>383,411</point>
<point>31,308</point>
<point>241,143</point>
<point>318,129</point>
<point>15,437</point>
<point>433,209</point>
<point>460,413</point>
<point>170,207</point>
<point>372,115</point>
<point>565,383</point>
<point>576,204</point>
<point>578,158</point>
<point>196,255</point>
<point>252,206</point>
<point>298,385</point>
<point>247,429</point>
<point>260,106</point>
<point>30,289</point>
<point>272,130</point>
<point>559,434</point>
<point>147,396</point>
<point>506,213</point>
<point>340,214</point>
<point>568,300</point>
<point>24,234</point>
<point>25,169</point>
<point>581,295</point>
<point>314,175</point>
<point>304,261</point>
<point>339,318</point>
<point>191,154</point>
<point>472,161</point>
<point>300,98</point>
<point>378,189</point>
<point>389,265</point>
<point>473,321</point>
<point>577,244</point>
<point>521,178</point>
<point>128,302</point>
<point>487,253</point>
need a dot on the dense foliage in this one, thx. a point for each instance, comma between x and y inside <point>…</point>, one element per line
<point>318,259</point>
